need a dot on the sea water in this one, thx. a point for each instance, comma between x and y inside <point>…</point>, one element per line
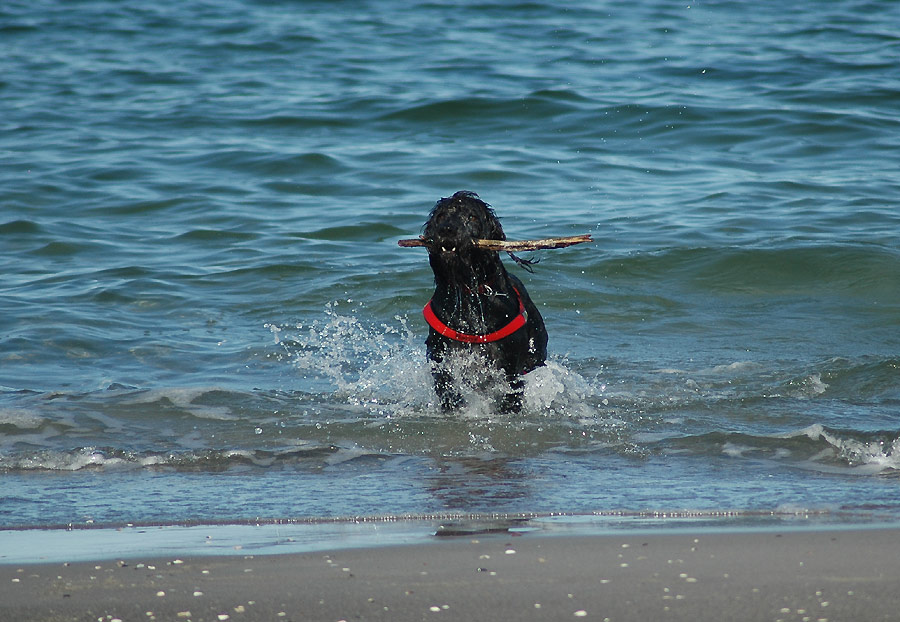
<point>205,317</point>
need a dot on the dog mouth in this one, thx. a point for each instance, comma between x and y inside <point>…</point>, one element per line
<point>447,254</point>
<point>453,250</point>
<point>450,247</point>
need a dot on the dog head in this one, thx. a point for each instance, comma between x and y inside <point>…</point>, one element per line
<point>453,226</point>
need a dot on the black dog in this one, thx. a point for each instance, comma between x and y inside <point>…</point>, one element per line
<point>477,306</point>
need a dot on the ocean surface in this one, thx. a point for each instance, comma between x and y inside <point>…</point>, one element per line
<point>205,317</point>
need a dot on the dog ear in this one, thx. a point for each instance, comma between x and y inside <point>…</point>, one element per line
<point>495,229</point>
<point>427,227</point>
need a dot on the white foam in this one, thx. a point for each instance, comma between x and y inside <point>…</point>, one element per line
<point>65,461</point>
<point>22,418</point>
<point>809,386</point>
<point>183,397</point>
<point>865,457</point>
<point>737,366</point>
<point>734,450</point>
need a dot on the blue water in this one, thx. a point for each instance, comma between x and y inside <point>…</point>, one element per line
<point>205,317</point>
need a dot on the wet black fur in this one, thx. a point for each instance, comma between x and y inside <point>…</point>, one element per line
<point>474,294</point>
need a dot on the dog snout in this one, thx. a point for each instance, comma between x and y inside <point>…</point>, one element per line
<point>448,236</point>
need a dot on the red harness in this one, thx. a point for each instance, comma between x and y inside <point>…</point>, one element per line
<point>516,323</point>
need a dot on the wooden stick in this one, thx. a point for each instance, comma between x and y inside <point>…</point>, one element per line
<point>533,245</point>
<point>520,245</point>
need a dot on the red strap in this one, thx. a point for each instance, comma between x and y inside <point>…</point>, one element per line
<point>516,323</point>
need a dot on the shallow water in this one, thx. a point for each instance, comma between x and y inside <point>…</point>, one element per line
<point>204,315</point>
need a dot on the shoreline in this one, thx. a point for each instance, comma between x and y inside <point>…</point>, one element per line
<point>99,542</point>
<point>774,574</point>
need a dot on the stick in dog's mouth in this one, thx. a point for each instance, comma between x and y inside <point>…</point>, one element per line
<point>503,245</point>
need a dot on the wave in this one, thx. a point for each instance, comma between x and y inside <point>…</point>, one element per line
<point>20,227</point>
<point>848,269</point>
<point>815,447</point>
<point>539,105</point>
<point>210,460</point>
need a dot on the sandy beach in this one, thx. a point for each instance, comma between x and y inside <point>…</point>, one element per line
<point>791,575</point>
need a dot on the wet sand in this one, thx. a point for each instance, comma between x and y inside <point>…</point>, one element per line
<point>834,575</point>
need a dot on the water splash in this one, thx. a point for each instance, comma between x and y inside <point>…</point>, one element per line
<point>356,363</point>
<point>383,368</point>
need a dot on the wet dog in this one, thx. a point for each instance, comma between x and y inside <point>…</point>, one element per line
<point>479,312</point>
